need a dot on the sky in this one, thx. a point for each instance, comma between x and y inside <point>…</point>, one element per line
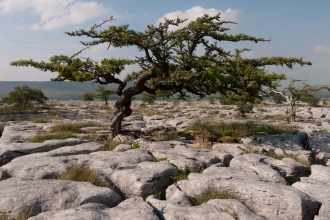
<point>34,29</point>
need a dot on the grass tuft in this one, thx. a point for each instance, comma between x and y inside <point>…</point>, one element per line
<point>237,129</point>
<point>213,194</point>
<point>183,173</point>
<point>45,137</point>
<point>72,127</point>
<point>81,174</point>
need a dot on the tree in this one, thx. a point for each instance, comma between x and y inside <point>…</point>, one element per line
<point>24,97</point>
<point>169,62</point>
<point>148,98</point>
<point>297,93</point>
<point>88,96</point>
<point>104,94</point>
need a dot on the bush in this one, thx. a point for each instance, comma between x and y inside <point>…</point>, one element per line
<point>311,100</point>
<point>278,99</point>
<point>25,97</point>
<point>148,98</point>
<point>88,96</point>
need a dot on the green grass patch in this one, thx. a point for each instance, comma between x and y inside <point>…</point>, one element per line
<point>213,194</point>
<point>81,174</point>
<point>44,119</point>
<point>109,145</point>
<point>159,159</point>
<point>20,217</point>
<point>164,136</point>
<point>238,129</point>
<point>54,136</point>
<point>183,173</point>
<point>72,127</point>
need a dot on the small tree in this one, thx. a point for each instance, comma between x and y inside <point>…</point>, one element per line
<point>104,94</point>
<point>148,98</point>
<point>88,96</point>
<point>278,99</point>
<point>296,93</point>
<point>25,97</point>
<point>185,60</point>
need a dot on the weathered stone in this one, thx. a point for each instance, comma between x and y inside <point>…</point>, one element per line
<point>320,147</point>
<point>321,173</point>
<point>260,196</point>
<point>184,155</point>
<point>35,196</point>
<point>325,209</point>
<point>144,179</point>
<point>281,144</point>
<point>276,171</point>
<point>314,188</point>
<point>134,208</point>
<point>232,149</point>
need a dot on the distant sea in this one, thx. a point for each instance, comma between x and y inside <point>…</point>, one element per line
<point>75,90</point>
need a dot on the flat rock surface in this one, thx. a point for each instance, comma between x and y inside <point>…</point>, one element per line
<point>35,196</point>
<point>260,196</point>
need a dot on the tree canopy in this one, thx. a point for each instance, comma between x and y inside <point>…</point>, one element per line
<point>25,97</point>
<point>170,62</point>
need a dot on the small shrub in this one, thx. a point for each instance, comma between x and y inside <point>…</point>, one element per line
<point>109,145</point>
<point>183,173</point>
<point>161,194</point>
<point>81,174</point>
<point>157,136</point>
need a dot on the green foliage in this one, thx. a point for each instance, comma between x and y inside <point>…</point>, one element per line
<point>82,174</point>
<point>104,94</point>
<point>88,96</point>
<point>20,217</point>
<point>25,97</point>
<point>148,98</point>
<point>237,130</point>
<point>2,127</point>
<point>160,136</point>
<point>183,173</point>
<point>169,61</point>
<point>40,138</point>
<point>278,99</point>
<point>159,159</point>
<point>72,127</point>
<point>311,100</point>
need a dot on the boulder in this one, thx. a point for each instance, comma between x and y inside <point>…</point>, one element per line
<point>266,199</point>
<point>32,197</point>
<point>134,208</point>
<point>183,155</point>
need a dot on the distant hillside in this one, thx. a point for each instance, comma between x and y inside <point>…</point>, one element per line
<point>74,90</point>
<point>54,90</point>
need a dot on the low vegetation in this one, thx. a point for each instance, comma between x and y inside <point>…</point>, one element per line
<point>239,129</point>
<point>20,217</point>
<point>82,174</point>
<point>72,127</point>
<point>214,194</point>
<point>183,173</point>
<point>52,136</point>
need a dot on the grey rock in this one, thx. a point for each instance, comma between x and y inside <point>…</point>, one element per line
<point>321,173</point>
<point>314,188</point>
<point>35,196</point>
<point>144,179</point>
<point>184,155</point>
<point>232,149</point>
<point>276,171</point>
<point>123,147</point>
<point>134,208</point>
<point>12,150</point>
<point>325,209</point>
<point>256,163</point>
<point>260,196</point>
<point>281,144</point>
<point>320,146</point>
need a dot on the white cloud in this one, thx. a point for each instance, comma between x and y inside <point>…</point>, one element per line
<point>146,14</point>
<point>321,49</point>
<point>198,11</point>
<point>55,13</point>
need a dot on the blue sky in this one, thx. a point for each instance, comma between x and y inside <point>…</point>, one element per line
<point>33,29</point>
